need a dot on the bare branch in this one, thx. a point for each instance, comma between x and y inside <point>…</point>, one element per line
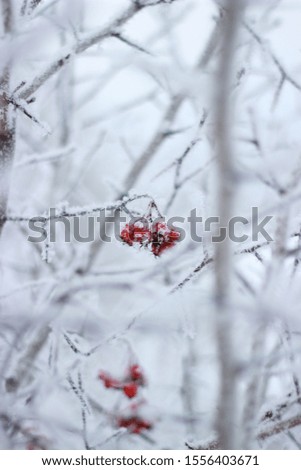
<point>8,14</point>
<point>77,212</point>
<point>130,43</point>
<point>284,74</point>
<point>271,431</point>
<point>226,418</point>
<point>82,45</point>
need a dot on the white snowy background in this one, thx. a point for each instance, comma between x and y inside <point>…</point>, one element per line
<point>71,310</point>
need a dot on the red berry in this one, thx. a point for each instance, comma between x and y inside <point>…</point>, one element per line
<point>163,238</point>
<point>135,233</point>
<point>130,390</point>
<point>159,248</point>
<point>134,424</point>
<point>159,238</point>
<point>136,372</point>
<point>173,235</point>
<point>141,425</point>
<point>125,235</point>
<point>108,381</point>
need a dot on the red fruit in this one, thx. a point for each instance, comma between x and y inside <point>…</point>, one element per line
<point>130,390</point>
<point>159,238</point>
<point>141,235</point>
<point>174,235</point>
<point>136,372</point>
<point>125,235</point>
<point>134,424</point>
<point>159,248</point>
<point>163,238</point>
<point>135,233</point>
<point>108,381</point>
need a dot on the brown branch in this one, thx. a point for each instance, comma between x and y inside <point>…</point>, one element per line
<point>280,427</point>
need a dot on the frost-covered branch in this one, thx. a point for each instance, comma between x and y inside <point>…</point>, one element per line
<point>81,46</point>
<point>78,211</point>
<point>270,431</point>
<point>285,75</point>
<point>226,418</point>
<point>8,15</point>
<point>208,260</point>
<point>7,118</point>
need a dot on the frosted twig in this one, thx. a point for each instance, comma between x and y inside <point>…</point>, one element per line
<point>26,360</point>
<point>76,212</point>
<point>24,108</point>
<point>48,157</point>
<point>208,260</point>
<point>115,435</point>
<point>14,426</point>
<point>270,431</point>
<point>130,43</point>
<point>82,45</point>
<point>284,74</point>
<point>78,393</point>
<point>178,183</point>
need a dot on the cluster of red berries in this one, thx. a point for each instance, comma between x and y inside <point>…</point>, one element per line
<point>129,385</point>
<point>158,238</point>
<point>134,378</point>
<point>132,419</point>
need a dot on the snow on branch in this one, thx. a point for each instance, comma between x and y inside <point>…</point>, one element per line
<point>84,43</point>
<point>78,211</point>
<point>285,75</point>
<point>272,430</point>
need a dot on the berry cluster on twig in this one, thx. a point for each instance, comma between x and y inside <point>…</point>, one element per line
<point>129,385</point>
<point>150,233</point>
